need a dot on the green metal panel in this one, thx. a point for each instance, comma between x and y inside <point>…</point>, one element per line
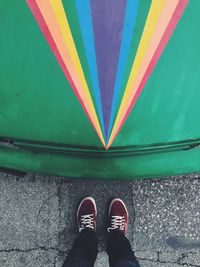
<point>168,108</point>
<point>44,129</point>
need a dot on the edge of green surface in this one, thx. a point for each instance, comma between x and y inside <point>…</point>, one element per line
<point>26,159</point>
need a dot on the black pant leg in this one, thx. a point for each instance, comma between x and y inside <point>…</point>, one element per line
<point>119,250</point>
<point>84,251</point>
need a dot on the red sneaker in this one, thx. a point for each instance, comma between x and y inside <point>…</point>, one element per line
<point>118,216</point>
<point>86,214</point>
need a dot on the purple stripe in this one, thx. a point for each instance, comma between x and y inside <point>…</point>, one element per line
<point>108,20</point>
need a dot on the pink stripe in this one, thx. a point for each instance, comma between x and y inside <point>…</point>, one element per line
<point>44,28</point>
<point>170,28</point>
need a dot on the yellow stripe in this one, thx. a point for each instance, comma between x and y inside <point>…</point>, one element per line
<point>61,20</point>
<point>150,25</point>
<point>69,42</point>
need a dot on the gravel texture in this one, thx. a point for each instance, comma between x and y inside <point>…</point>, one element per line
<point>38,226</point>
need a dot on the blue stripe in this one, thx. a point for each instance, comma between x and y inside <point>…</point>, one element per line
<point>85,20</point>
<point>129,24</point>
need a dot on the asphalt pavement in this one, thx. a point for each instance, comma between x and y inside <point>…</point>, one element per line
<point>38,225</point>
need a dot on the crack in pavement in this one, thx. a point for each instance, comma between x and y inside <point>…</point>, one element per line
<point>44,203</point>
<point>63,253</point>
<point>171,262</point>
<point>31,249</point>
<point>159,254</point>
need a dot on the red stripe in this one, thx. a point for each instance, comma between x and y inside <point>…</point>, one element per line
<point>170,28</point>
<point>44,28</point>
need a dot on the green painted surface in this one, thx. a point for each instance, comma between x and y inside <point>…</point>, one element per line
<point>112,168</point>
<point>38,106</point>
<point>36,101</point>
<point>72,16</point>
<point>143,10</point>
<point>168,108</point>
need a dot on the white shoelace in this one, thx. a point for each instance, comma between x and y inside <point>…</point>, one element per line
<point>87,221</point>
<point>117,222</point>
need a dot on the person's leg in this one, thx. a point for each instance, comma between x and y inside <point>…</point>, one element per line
<point>118,246</point>
<point>85,248</point>
<point>119,250</point>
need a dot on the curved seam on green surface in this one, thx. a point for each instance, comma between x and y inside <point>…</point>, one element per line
<point>85,151</point>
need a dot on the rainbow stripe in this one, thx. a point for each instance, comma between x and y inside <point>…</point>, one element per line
<point>116,35</point>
